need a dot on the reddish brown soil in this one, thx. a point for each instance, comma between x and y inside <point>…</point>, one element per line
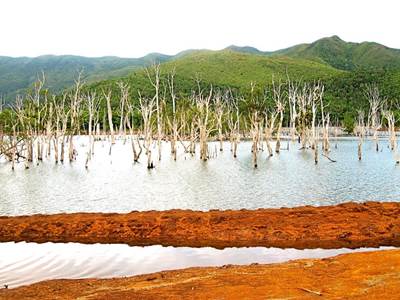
<point>370,275</point>
<point>349,225</point>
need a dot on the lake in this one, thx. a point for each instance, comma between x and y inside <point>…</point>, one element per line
<point>113,183</point>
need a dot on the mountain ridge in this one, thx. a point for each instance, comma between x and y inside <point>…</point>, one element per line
<point>18,73</point>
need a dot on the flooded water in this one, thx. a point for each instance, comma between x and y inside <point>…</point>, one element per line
<point>112,183</point>
<point>26,263</point>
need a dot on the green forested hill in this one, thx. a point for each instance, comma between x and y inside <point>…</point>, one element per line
<point>227,68</point>
<point>345,55</point>
<point>337,53</point>
<point>344,90</point>
<point>343,66</point>
<point>17,74</point>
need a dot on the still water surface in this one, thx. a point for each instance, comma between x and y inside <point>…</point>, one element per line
<point>26,263</point>
<point>112,183</point>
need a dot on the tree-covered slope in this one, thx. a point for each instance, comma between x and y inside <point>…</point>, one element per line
<point>17,74</point>
<point>236,69</point>
<point>227,68</point>
<point>345,55</point>
<point>344,90</point>
<point>328,58</point>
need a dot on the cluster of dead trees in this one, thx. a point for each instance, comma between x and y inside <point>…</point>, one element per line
<point>380,114</point>
<point>45,125</point>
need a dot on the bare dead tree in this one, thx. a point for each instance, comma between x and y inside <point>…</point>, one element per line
<point>325,119</point>
<point>49,127</point>
<point>360,132</point>
<point>255,135</point>
<point>57,121</point>
<point>280,102</point>
<point>155,82</point>
<point>391,121</point>
<point>136,151</point>
<point>316,100</point>
<point>375,106</point>
<point>174,123</point>
<point>62,113</point>
<point>93,106</point>
<point>316,139</point>
<point>147,108</point>
<point>204,124</point>
<point>293,101</point>
<point>233,122</point>
<point>75,102</point>
<point>219,105</point>
<point>35,111</point>
<point>37,108</point>
<point>107,96</point>
<point>124,90</point>
<point>25,127</point>
<point>255,120</point>
<point>269,122</point>
<point>14,141</point>
<point>304,101</point>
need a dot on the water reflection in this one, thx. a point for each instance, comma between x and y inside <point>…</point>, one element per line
<point>114,184</point>
<point>26,263</point>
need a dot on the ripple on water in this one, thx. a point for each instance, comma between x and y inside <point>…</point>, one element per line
<point>287,179</point>
<point>26,263</point>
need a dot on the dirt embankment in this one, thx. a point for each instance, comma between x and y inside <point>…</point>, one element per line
<point>349,225</point>
<point>369,275</point>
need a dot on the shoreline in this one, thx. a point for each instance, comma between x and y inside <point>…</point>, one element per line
<point>371,275</point>
<point>348,225</point>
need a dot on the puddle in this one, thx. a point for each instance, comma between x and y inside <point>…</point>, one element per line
<point>26,263</point>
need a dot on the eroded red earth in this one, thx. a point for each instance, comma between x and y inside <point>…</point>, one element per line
<point>368,275</point>
<point>350,225</point>
<point>373,275</point>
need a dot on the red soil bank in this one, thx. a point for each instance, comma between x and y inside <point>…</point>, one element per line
<point>350,225</point>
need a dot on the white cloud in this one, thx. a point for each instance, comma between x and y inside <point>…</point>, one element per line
<point>135,28</point>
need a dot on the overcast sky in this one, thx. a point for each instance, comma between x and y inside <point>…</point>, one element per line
<point>134,28</point>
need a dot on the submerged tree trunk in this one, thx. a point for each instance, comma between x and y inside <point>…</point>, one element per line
<point>255,134</point>
<point>109,114</point>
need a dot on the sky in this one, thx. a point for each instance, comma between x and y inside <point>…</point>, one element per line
<point>134,28</point>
